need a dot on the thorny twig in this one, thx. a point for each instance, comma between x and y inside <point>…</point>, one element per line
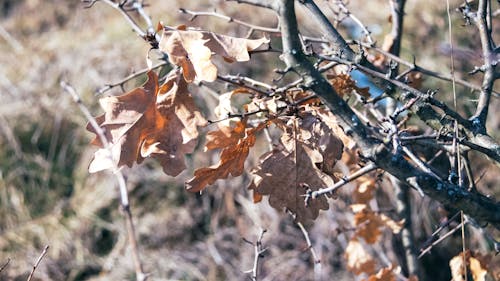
<point>345,180</point>
<point>140,275</point>
<point>436,238</point>
<point>258,253</point>
<point>44,252</point>
<point>252,27</point>
<point>120,83</point>
<point>316,259</point>
<point>124,7</point>
<point>412,66</point>
<point>490,61</point>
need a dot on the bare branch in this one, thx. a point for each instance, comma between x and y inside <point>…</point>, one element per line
<point>316,259</point>
<point>122,82</point>
<point>477,205</point>
<point>258,252</point>
<point>490,62</point>
<point>140,275</point>
<point>412,66</point>
<point>252,27</point>
<point>44,252</point>
<point>5,265</point>
<point>345,180</point>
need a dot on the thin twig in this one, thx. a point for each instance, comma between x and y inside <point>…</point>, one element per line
<point>412,66</point>
<point>363,171</point>
<point>44,252</point>
<point>348,13</point>
<point>5,265</point>
<point>429,248</point>
<point>258,251</point>
<point>140,276</point>
<point>120,83</point>
<point>252,27</point>
<point>316,259</point>
<point>489,62</point>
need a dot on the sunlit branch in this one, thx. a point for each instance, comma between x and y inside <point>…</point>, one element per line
<point>44,252</point>
<point>140,275</point>
<point>122,82</point>
<point>252,27</point>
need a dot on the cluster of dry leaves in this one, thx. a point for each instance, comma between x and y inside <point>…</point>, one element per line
<point>162,121</point>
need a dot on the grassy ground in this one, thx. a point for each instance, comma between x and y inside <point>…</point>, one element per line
<point>47,196</point>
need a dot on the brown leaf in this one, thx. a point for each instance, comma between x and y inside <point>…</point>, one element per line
<point>384,274</point>
<point>192,50</point>
<point>364,191</point>
<point>232,159</point>
<point>415,79</point>
<point>318,136</point>
<point>358,259</point>
<point>331,121</point>
<point>149,121</point>
<point>285,176</point>
<point>477,265</point>
<point>225,108</point>
<point>369,223</point>
<point>477,270</point>
<point>344,85</point>
<point>457,268</point>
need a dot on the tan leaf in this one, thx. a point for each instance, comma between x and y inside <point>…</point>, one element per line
<point>286,176</point>
<point>358,259</point>
<point>331,121</point>
<point>161,122</point>
<point>232,159</point>
<point>477,270</point>
<point>369,223</point>
<point>415,79</point>
<point>345,85</point>
<point>457,268</point>
<point>384,274</point>
<point>364,191</point>
<point>192,50</point>
<point>225,137</point>
<point>225,108</point>
<point>318,136</point>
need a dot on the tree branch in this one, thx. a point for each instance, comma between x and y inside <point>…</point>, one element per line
<point>44,252</point>
<point>478,206</point>
<point>140,276</point>
<point>489,63</point>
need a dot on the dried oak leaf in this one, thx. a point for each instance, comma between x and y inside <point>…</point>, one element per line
<point>477,265</point>
<point>286,176</point>
<point>192,50</point>
<point>384,274</point>
<point>365,190</point>
<point>358,259</point>
<point>331,121</point>
<point>368,223</point>
<point>344,85</point>
<point>236,147</point>
<point>160,122</point>
<point>318,136</point>
<point>457,268</point>
<point>477,270</point>
<point>225,109</point>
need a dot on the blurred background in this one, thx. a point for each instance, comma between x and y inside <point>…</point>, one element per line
<point>47,197</point>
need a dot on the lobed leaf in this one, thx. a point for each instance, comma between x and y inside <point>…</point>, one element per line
<point>192,50</point>
<point>236,147</point>
<point>161,122</point>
